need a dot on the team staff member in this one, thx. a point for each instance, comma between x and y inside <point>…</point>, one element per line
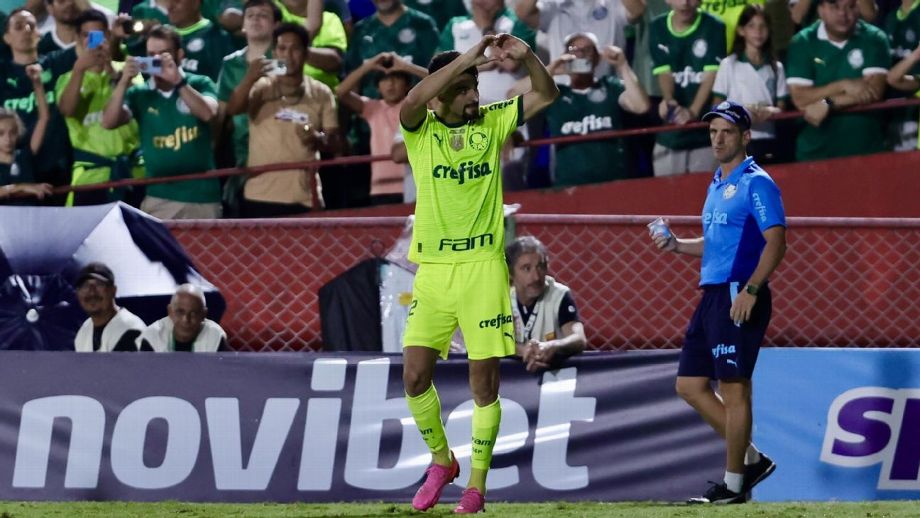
<point>458,241</point>
<point>109,327</point>
<point>744,240</point>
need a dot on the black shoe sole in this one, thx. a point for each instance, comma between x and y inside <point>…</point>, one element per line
<point>763,476</point>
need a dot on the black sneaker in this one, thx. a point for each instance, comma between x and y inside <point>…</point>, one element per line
<point>758,472</point>
<point>719,494</point>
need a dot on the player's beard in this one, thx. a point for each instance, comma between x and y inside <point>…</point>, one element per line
<point>471,111</point>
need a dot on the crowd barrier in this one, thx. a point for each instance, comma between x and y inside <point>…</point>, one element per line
<point>844,281</point>
<point>363,159</point>
<point>840,424</point>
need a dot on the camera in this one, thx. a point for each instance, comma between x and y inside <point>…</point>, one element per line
<point>149,64</point>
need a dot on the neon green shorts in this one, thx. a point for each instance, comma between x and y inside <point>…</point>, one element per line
<point>474,295</point>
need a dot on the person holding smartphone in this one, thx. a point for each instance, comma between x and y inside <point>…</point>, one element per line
<point>173,112</point>
<point>100,155</point>
<point>590,105</point>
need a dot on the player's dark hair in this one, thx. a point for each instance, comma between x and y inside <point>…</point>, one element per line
<point>14,12</point>
<point>295,28</point>
<point>91,15</point>
<point>442,59</point>
<point>276,12</point>
<point>525,245</point>
<point>165,32</point>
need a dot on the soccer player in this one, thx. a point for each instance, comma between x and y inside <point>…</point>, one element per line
<point>744,240</point>
<point>458,242</point>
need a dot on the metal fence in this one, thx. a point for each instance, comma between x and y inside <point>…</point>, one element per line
<point>844,282</point>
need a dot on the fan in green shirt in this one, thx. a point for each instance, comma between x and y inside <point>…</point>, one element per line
<point>588,106</point>
<point>204,42</point>
<point>173,111</point>
<point>686,47</point>
<point>399,29</point>
<point>63,35</point>
<point>838,62</point>
<point>100,155</point>
<point>324,60</point>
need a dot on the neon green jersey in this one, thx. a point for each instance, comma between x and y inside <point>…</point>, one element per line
<point>331,35</point>
<point>457,170</point>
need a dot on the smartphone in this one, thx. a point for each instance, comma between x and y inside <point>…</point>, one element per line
<point>94,39</point>
<point>149,64</point>
<point>277,68</point>
<point>581,66</point>
<point>132,26</point>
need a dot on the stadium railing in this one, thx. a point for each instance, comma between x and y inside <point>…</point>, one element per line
<point>845,282</point>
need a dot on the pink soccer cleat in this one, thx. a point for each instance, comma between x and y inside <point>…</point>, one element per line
<point>471,502</point>
<point>436,478</point>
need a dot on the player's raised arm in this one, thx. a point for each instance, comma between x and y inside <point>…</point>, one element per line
<point>543,90</point>
<point>414,107</point>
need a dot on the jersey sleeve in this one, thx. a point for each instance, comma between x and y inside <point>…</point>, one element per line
<point>716,40</point>
<point>505,116</point>
<point>132,101</point>
<point>332,33</point>
<point>447,37</point>
<point>800,62</point>
<point>878,54</point>
<point>661,60</point>
<point>525,33</point>
<point>766,203</point>
<point>568,311</point>
<point>204,86</point>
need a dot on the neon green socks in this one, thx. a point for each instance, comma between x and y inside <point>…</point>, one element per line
<point>426,409</point>
<point>485,429</point>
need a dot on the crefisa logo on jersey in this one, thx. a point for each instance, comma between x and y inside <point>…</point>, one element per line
<point>876,425</point>
<point>467,171</point>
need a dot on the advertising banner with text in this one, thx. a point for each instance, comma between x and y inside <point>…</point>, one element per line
<point>312,427</point>
<point>841,424</point>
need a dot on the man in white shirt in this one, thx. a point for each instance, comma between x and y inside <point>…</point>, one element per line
<point>186,328</point>
<point>109,327</point>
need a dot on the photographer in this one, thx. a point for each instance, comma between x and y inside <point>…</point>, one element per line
<point>174,119</point>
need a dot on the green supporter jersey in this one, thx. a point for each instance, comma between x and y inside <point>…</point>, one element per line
<point>331,35</point>
<point>441,11</point>
<point>231,75</point>
<point>16,93</point>
<point>413,36</point>
<point>205,45</point>
<point>174,141</point>
<point>463,27</point>
<point>457,169</point>
<point>85,127</point>
<point>903,32</point>
<point>728,11</point>
<point>149,10</point>
<point>686,56</point>
<point>582,112</point>
<point>815,61</point>
<point>49,43</point>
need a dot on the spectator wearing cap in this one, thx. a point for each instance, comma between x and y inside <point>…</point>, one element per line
<point>488,17</point>
<point>590,105</point>
<point>836,63</point>
<point>686,46</point>
<point>744,241</point>
<point>546,322</point>
<point>186,328</point>
<point>382,115</point>
<point>607,19</point>
<point>109,327</point>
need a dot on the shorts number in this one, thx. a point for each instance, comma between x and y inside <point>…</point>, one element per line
<point>412,308</point>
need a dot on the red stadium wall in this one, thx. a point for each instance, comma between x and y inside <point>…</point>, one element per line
<point>844,282</point>
<point>883,185</point>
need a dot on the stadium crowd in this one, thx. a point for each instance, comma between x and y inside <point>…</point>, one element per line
<point>174,87</point>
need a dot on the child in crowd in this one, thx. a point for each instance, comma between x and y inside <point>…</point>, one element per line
<point>382,115</point>
<point>752,76</point>
<point>16,160</point>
